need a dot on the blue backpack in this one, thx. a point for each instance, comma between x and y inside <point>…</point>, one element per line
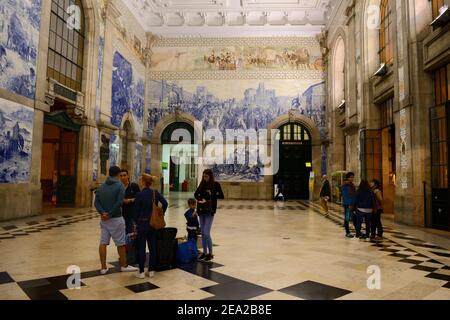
<point>187,252</point>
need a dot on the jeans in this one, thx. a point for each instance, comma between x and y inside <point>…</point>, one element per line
<point>348,216</point>
<point>206,221</point>
<point>360,217</point>
<point>192,234</point>
<point>377,227</point>
<point>146,235</point>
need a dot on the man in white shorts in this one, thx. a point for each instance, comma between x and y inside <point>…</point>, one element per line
<point>108,202</point>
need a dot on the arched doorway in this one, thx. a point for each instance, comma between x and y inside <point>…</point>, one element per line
<point>295,160</point>
<point>179,169</point>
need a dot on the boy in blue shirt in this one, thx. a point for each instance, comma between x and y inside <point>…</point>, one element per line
<point>192,220</point>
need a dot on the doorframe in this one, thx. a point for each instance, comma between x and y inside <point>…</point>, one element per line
<point>61,120</point>
<point>316,146</point>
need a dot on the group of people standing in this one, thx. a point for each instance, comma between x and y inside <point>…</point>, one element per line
<point>126,209</point>
<point>362,205</point>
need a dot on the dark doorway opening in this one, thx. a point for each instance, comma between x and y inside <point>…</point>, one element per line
<point>59,160</point>
<point>295,161</point>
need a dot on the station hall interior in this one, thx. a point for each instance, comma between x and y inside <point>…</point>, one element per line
<point>270,95</point>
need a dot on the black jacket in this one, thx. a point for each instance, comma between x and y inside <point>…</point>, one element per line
<point>214,194</point>
<point>325,191</point>
<point>131,192</point>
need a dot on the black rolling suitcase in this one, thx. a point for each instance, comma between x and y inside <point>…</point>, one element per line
<point>166,249</point>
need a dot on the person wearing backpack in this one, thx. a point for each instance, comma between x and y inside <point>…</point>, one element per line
<point>365,206</point>
<point>377,227</point>
<point>143,208</point>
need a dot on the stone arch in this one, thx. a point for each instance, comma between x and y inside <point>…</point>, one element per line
<point>338,71</point>
<point>316,144</point>
<point>177,117</point>
<point>155,140</point>
<point>300,119</point>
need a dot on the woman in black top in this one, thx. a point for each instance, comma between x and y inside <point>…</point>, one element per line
<point>207,194</point>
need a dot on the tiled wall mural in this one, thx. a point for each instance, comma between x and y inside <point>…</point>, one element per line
<point>16,133</point>
<point>148,152</point>
<point>19,37</point>
<point>137,162</point>
<point>98,98</point>
<point>95,155</point>
<point>238,104</point>
<point>276,57</point>
<point>128,88</point>
<point>237,83</point>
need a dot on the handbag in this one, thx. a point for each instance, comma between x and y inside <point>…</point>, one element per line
<point>157,218</point>
<point>204,208</point>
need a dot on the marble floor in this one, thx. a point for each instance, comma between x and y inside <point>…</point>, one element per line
<point>263,250</point>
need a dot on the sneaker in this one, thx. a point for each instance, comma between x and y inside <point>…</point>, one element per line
<point>209,258</point>
<point>128,269</point>
<point>151,274</point>
<point>362,238</point>
<point>349,235</point>
<point>202,257</point>
<point>140,275</point>
<point>104,271</point>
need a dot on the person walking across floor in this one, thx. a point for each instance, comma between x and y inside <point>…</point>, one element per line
<point>131,191</point>
<point>365,206</point>
<point>376,225</point>
<point>348,191</point>
<point>325,194</point>
<point>108,202</point>
<point>207,194</point>
<point>143,208</point>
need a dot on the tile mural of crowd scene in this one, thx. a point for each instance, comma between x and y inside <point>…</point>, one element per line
<point>237,104</point>
<point>128,89</point>
<point>16,133</point>
<point>237,58</point>
<point>19,37</point>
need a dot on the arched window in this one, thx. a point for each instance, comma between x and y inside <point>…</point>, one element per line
<point>339,72</point>
<point>293,132</point>
<point>386,33</point>
<point>66,46</point>
<point>125,141</point>
<point>437,4</point>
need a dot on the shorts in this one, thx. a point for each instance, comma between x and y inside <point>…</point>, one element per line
<point>113,228</point>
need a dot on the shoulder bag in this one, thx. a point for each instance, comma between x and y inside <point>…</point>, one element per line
<point>157,218</point>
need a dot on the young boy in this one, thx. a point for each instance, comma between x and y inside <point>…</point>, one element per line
<point>192,220</point>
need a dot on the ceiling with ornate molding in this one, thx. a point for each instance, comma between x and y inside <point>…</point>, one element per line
<point>231,17</point>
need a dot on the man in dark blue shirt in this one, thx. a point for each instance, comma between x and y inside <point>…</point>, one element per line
<point>131,191</point>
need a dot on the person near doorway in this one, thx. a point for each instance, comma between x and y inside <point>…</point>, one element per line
<point>348,191</point>
<point>108,202</point>
<point>192,223</point>
<point>377,227</point>
<point>280,189</point>
<point>325,194</point>
<point>365,206</point>
<point>143,207</point>
<point>207,194</point>
<point>131,191</point>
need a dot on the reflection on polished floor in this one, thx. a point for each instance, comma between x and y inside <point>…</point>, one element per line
<point>263,250</point>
